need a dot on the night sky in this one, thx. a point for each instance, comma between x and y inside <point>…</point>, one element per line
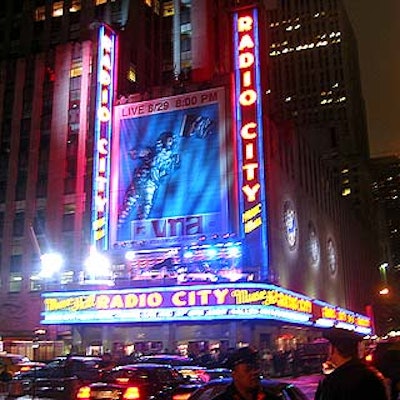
<point>377,28</point>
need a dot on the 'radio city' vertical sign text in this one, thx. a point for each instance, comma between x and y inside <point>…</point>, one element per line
<point>248,118</point>
<point>102,136</point>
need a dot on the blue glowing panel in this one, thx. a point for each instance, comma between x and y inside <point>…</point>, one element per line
<point>249,133</point>
<point>107,47</point>
<point>169,169</point>
<point>230,301</point>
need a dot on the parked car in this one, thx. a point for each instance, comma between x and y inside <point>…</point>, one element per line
<point>60,377</point>
<point>276,390</point>
<point>168,359</point>
<point>138,381</point>
<point>218,373</point>
<point>13,363</point>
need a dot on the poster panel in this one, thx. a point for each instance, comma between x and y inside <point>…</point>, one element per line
<point>169,170</point>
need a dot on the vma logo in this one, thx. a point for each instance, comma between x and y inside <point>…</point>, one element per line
<point>164,228</point>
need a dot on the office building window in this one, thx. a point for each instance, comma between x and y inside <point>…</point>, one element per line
<point>168,9</point>
<point>35,283</point>
<point>76,68</point>
<point>75,6</point>
<point>58,9</point>
<point>15,283</point>
<point>19,224</point>
<point>39,222</point>
<point>40,13</point>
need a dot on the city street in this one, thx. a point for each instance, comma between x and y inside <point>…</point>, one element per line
<point>307,383</point>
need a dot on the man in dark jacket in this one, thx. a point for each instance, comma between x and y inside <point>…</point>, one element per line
<point>245,366</point>
<point>351,378</point>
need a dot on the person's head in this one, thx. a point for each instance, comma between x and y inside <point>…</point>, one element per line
<point>344,345</point>
<point>245,366</point>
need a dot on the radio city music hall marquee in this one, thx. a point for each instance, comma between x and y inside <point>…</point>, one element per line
<point>185,303</point>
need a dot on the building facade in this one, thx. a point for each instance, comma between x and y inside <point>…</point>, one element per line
<point>177,161</point>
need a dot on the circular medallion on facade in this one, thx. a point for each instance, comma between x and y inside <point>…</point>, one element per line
<point>290,224</point>
<point>332,256</point>
<point>314,249</point>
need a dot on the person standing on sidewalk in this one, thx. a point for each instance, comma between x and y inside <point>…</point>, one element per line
<point>351,379</point>
<point>246,380</point>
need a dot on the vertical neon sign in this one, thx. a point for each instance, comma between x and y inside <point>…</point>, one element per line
<point>249,131</point>
<point>102,137</point>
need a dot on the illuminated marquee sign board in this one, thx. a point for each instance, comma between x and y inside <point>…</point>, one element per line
<point>102,136</point>
<point>181,303</point>
<point>249,131</point>
<point>327,315</point>
<point>161,148</point>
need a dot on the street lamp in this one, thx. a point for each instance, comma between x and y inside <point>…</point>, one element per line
<point>51,263</point>
<point>97,265</point>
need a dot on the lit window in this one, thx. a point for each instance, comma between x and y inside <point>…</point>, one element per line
<point>132,74</point>
<point>40,14</point>
<point>15,282</point>
<point>346,192</point>
<point>148,2</point>
<point>98,2</point>
<point>76,68</point>
<point>75,6</point>
<point>58,8</point>
<point>35,283</point>
<point>168,9</point>
<point>66,277</point>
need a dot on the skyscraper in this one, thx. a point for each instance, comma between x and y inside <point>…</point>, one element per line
<point>314,85</point>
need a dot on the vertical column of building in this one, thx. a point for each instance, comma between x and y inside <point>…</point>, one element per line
<point>30,246</point>
<point>10,245</point>
<point>80,196</point>
<point>176,37</point>
<point>59,130</point>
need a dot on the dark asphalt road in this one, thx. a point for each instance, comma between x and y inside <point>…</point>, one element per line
<point>307,383</point>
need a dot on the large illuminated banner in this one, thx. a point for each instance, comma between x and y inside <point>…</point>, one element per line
<point>257,301</point>
<point>169,169</point>
<point>249,133</point>
<point>102,137</point>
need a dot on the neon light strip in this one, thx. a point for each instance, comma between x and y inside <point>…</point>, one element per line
<point>183,314</point>
<point>103,131</point>
<point>96,137</point>
<point>238,120</point>
<point>66,306</point>
<point>264,234</point>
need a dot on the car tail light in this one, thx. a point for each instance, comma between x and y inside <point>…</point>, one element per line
<point>83,393</point>
<point>181,396</point>
<point>203,376</point>
<point>122,380</point>
<point>131,393</point>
